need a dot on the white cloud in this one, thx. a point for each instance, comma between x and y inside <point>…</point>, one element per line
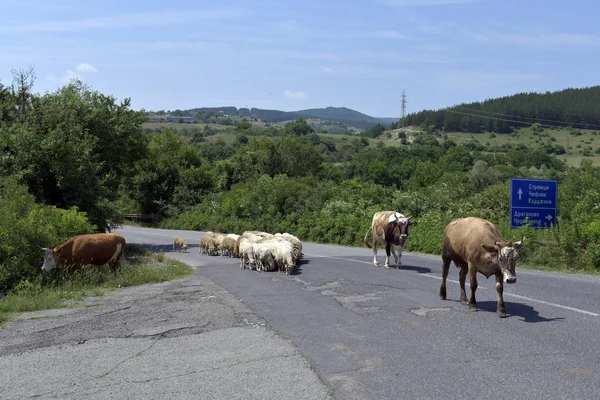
<point>424,3</point>
<point>294,95</point>
<point>69,74</point>
<point>66,77</point>
<point>86,68</point>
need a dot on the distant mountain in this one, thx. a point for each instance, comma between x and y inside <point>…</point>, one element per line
<point>338,114</point>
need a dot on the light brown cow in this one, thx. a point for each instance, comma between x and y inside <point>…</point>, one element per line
<point>475,245</point>
<point>179,243</point>
<point>90,249</point>
<point>389,228</point>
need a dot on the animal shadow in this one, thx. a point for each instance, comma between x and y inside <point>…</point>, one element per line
<point>528,313</point>
<point>162,248</point>
<point>420,270</point>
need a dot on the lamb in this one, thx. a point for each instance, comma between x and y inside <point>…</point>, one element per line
<point>180,244</point>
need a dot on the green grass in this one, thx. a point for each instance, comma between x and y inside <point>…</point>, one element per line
<point>563,137</point>
<point>69,290</point>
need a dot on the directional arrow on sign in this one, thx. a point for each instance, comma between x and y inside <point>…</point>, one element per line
<point>520,193</point>
<point>549,217</point>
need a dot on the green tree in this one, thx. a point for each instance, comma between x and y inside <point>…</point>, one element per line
<point>75,148</point>
<point>298,127</point>
<point>160,174</point>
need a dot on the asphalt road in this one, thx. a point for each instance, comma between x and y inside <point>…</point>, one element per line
<point>372,333</point>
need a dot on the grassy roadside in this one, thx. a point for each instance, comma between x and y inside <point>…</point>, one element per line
<point>62,290</point>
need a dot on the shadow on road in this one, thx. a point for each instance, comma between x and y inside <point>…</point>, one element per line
<point>163,248</point>
<point>528,313</point>
<point>420,270</point>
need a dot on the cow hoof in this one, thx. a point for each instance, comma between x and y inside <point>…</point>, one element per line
<point>387,266</point>
<point>399,266</point>
<point>501,313</point>
<point>377,265</point>
<point>472,307</point>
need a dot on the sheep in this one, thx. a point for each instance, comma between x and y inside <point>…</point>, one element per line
<point>263,257</point>
<point>282,252</point>
<point>180,244</point>
<point>284,257</point>
<point>229,247</point>
<point>246,253</point>
<point>207,244</point>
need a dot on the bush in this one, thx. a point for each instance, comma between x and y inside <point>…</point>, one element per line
<point>26,227</point>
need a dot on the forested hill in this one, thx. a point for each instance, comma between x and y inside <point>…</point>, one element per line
<point>578,108</point>
<point>339,114</point>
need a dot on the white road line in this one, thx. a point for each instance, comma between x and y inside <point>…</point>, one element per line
<point>552,304</point>
<point>453,281</point>
<point>480,287</point>
<point>338,258</point>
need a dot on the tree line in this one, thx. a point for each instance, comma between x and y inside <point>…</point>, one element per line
<point>575,107</point>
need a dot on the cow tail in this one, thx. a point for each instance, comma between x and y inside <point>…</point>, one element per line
<point>366,239</point>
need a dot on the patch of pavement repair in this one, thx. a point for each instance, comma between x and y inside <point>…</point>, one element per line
<point>354,302</point>
<point>422,311</point>
<point>183,339</point>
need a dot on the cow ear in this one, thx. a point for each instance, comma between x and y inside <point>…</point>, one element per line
<point>488,248</point>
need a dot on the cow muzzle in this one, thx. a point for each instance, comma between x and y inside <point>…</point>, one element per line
<point>510,279</point>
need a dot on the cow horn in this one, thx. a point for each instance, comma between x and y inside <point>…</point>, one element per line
<point>44,248</point>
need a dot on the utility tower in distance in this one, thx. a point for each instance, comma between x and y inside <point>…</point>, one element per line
<point>403,101</point>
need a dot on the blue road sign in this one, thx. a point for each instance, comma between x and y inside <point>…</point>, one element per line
<point>533,200</point>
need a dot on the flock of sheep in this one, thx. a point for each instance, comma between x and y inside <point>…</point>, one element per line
<point>260,251</point>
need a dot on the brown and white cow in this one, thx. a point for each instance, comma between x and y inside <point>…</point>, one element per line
<point>90,249</point>
<point>179,244</point>
<point>389,228</point>
<point>475,245</point>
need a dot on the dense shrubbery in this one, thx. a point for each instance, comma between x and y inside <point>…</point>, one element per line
<point>26,227</point>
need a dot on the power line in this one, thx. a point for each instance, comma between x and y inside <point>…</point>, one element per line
<point>500,119</point>
<point>519,122</point>
<point>529,118</point>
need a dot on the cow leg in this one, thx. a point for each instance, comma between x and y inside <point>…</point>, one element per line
<point>462,277</point>
<point>473,276</point>
<point>375,262</point>
<point>500,310</point>
<point>398,257</point>
<point>445,268</point>
<point>388,246</point>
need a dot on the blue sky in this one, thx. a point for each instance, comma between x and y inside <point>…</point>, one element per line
<point>292,55</point>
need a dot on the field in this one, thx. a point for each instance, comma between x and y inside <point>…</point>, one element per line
<point>578,144</point>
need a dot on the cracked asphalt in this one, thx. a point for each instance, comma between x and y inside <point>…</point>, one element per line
<point>338,328</point>
<point>187,339</point>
